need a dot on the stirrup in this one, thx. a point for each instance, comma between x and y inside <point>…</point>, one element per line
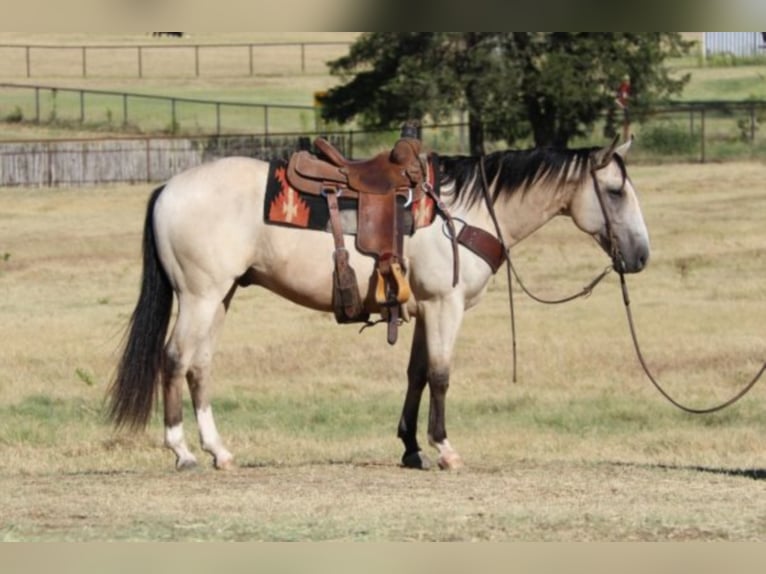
<point>397,280</point>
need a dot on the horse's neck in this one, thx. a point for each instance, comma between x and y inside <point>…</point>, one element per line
<point>521,213</point>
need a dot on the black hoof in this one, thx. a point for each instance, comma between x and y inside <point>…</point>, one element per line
<point>416,460</point>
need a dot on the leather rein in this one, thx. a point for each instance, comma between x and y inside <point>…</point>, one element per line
<point>617,265</point>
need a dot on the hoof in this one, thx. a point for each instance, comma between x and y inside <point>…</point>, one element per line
<point>224,463</point>
<point>451,461</point>
<point>416,460</point>
<point>186,464</point>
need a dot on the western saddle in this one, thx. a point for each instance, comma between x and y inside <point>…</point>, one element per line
<point>383,186</point>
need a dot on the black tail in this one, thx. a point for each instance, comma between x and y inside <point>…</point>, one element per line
<point>132,393</point>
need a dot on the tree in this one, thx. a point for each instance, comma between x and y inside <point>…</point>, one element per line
<point>512,85</point>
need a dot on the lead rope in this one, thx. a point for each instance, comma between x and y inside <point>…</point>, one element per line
<point>671,400</point>
<point>510,269</point>
<point>617,263</point>
<point>506,252</point>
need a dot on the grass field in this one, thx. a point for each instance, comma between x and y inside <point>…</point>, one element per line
<point>581,448</point>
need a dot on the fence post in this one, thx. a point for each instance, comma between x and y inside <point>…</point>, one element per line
<point>218,118</point>
<point>691,123</point>
<point>251,59</point>
<point>84,63</point>
<point>702,135</point>
<point>266,120</point>
<point>140,63</point>
<point>196,60</point>
<point>29,63</point>
<point>752,123</point>
<point>173,114</point>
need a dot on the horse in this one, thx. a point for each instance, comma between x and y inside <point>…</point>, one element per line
<point>204,236</point>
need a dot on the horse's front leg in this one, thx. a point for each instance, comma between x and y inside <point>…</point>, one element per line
<point>417,377</point>
<point>442,326</point>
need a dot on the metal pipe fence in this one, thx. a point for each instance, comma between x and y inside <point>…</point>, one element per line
<point>104,109</point>
<point>168,60</point>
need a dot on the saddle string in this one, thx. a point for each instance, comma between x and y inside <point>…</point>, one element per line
<point>618,263</point>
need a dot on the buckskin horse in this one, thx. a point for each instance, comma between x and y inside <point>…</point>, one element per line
<point>205,234</point>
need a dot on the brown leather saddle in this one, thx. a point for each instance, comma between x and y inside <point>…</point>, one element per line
<point>383,186</point>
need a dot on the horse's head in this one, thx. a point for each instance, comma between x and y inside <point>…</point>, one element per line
<point>606,206</point>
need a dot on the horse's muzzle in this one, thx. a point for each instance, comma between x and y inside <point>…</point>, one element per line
<point>626,259</point>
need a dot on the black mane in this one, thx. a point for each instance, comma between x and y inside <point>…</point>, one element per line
<point>518,170</point>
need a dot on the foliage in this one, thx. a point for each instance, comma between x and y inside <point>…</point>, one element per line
<point>16,116</point>
<point>668,138</point>
<point>512,85</point>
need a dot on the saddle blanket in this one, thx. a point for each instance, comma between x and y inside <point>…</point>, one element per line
<point>291,208</point>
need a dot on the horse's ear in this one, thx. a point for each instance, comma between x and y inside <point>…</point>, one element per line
<point>603,156</point>
<point>622,150</point>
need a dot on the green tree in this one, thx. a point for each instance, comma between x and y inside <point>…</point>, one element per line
<point>551,86</point>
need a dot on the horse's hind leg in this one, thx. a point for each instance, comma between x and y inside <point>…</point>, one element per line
<point>188,357</point>
<point>198,377</point>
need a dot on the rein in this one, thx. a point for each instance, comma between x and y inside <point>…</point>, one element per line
<point>510,269</point>
<point>658,386</point>
<point>617,265</point>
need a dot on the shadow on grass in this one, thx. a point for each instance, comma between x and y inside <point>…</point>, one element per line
<point>752,473</point>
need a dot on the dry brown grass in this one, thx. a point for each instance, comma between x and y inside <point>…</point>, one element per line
<point>580,449</point>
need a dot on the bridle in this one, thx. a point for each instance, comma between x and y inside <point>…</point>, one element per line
<point>618,264</point>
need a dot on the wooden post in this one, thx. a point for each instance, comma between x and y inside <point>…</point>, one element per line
<point>752,123</point>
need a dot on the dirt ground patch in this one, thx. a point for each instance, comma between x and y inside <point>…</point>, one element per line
<point>526,501</point>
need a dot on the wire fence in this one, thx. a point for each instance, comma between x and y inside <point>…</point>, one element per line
<point>686,132</point>
<point>694,132</point>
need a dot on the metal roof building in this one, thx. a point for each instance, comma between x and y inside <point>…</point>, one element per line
<point>738,44</point>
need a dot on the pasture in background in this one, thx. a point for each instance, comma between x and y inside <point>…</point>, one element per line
<point>581,448</point>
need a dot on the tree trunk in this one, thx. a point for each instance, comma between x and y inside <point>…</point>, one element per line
<point>475,134</point>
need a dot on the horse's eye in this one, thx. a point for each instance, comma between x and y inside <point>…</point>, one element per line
<point>615,192</point>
